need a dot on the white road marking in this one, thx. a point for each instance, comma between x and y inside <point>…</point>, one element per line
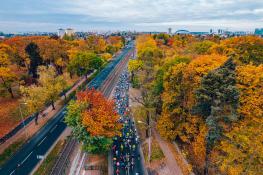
<point>12,172</point>
<point>62,120</point>
<point>53,128</point>
<point>42,141</point>
<point>26,157</point>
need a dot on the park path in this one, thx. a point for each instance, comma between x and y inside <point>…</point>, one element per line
<point>32,128</point>
<point>171,162</point>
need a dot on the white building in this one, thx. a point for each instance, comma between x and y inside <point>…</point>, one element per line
<point>61,33</point>
<point>70,32</point>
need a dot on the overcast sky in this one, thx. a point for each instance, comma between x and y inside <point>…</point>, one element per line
<point>140,15</point>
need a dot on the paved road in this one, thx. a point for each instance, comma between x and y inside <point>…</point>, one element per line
<point>125,149</point>
<point>24,161</point>
<point>106,88</point>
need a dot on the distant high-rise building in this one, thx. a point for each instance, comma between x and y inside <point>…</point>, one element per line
<point>170,31</point>
<point>61,33</point>
<point>70,31</point>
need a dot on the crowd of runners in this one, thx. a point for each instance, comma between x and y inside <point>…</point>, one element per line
<point>125,152</point>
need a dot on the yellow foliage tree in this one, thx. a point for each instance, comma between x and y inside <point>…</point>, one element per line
<point>34,97</point>
<point>250,84</point>
<point>52,84</point>
<point>198,68</point>
<point>7,77</point>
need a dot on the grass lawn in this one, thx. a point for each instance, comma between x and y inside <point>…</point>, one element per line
<point>156,152</point>
<point>10,151</point>
<point>50,160</point>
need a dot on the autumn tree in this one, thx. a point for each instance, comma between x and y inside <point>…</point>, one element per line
<point>7,76</point>
<point>217,102</point>
<point>106,56</point>
<point>34,97</point>
<point>202,47</point>
<point>94,121</point>
<point>173,98</point>
<point>32,50</point>
<point>19,44</point>
<point>149,55</point>
<point>84,62</point>
<point>52,84</point>
<point>162,37</point>
<point>53,52</point>
<point>134,66</point>
<point>245,49</point>
<point>241,148</point>
<point>194,72</point>
<point>96,44</point>
<point>114,43</point>
<point>250,84</point>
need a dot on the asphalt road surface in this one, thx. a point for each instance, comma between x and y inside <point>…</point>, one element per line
<point>125,149</point>
<point>24,161</point>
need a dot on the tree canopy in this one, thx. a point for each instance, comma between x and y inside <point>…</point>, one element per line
<point>93,120</point>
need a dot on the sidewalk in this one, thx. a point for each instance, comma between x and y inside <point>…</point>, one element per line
<point>31,128</point>
<point>170,159</point>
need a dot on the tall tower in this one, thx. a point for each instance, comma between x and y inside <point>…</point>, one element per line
<point>170,31</point>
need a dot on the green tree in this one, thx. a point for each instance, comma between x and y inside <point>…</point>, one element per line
<point>68,37</point>
<point>32,50</point>
<point>217,102</point>
<point>84,62</point>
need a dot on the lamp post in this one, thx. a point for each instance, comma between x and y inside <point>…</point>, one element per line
<point>21,115</point>
<point>149,139</point>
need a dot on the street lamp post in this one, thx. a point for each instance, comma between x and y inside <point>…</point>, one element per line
<point>149,139</point>
<point>21,115</point>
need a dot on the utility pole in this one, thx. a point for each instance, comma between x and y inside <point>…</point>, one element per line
<point>22,117</point>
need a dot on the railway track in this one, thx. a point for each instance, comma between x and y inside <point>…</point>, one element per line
<point>106,88</point>
<point>63,160</point>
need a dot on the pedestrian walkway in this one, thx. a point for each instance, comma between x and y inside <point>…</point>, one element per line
<point>32,128</point>
<point>168,153</point>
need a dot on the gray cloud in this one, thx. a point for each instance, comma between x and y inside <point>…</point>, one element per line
<point>135,14</point>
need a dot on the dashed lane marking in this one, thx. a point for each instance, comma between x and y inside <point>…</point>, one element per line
<point>53,128</point>
<point>12,172</point>
<point>42,141</point>
<point>26,157</point>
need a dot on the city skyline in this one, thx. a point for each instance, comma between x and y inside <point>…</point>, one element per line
<point>141,15</point>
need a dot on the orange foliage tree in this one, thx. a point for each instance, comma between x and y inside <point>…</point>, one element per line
<point>100,117</point>
<point>93,120</point>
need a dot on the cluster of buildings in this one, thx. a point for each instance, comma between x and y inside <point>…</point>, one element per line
<point>62,32</point>
<point>220,32</point>
<point>71,32</point>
